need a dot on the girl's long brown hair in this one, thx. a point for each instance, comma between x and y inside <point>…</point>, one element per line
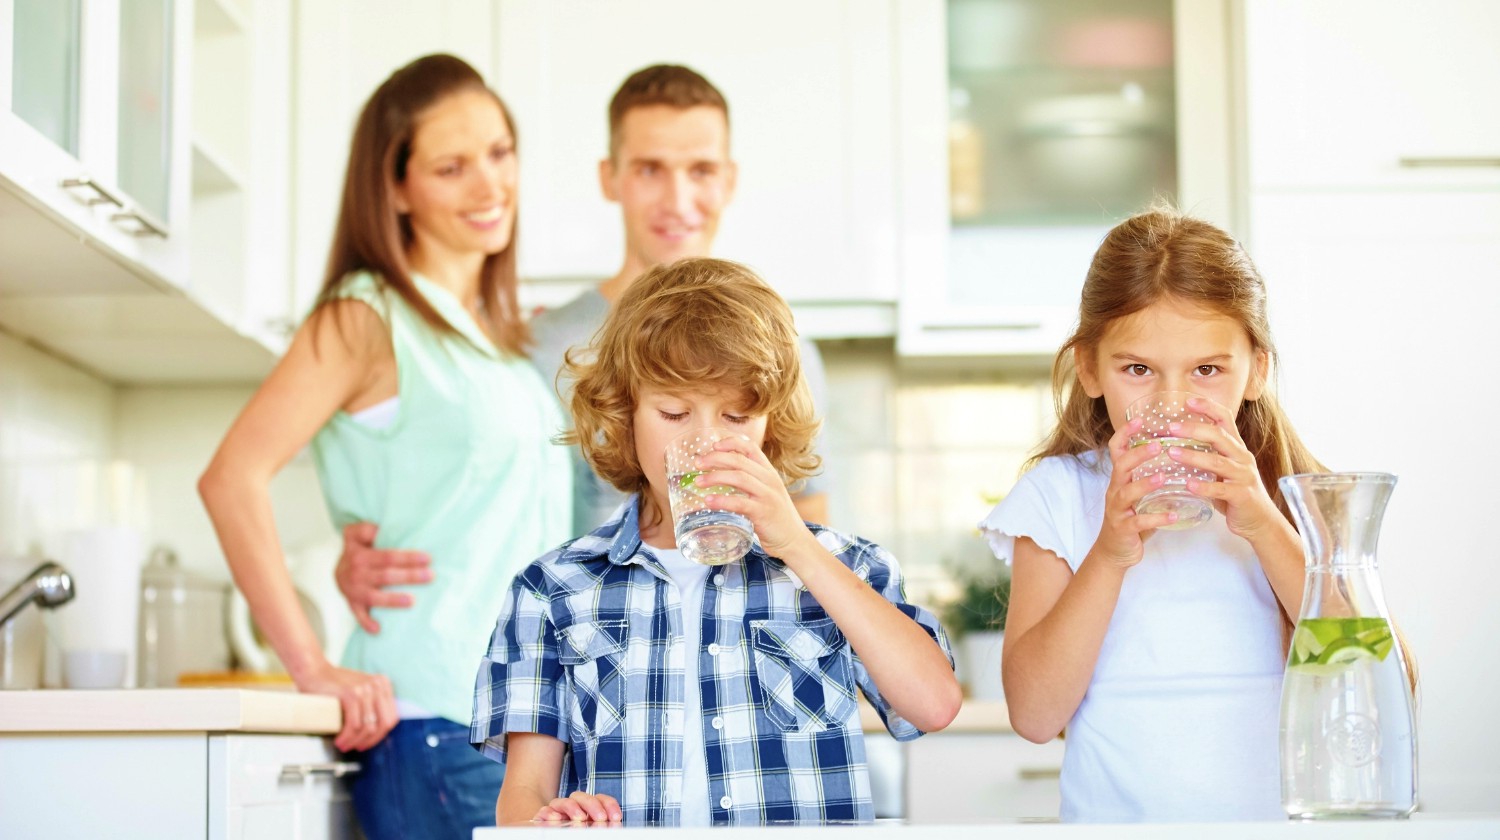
<point>372,236</point>
<point>1157,255</point>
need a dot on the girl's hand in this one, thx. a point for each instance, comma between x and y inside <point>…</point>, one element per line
<point>367,701</point>
<point>1239,493</point>
<point>1122,538</point>
<point>581,807</point>
<point>737,463</point>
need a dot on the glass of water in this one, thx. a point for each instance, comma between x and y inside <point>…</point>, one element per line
<point>705,534</point>
<point>1157,412</point>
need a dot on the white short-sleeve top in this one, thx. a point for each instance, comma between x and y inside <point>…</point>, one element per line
<point>1180,720</point>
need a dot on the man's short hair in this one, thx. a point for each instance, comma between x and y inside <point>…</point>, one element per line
<point>661,84</point>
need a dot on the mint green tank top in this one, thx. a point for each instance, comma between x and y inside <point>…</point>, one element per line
<point>467,472</point>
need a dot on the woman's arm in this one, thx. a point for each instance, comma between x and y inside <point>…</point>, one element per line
<point>325,367</point>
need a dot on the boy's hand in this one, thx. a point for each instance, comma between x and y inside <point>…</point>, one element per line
<point>1122,538</point>
<point>767,503</point>
<point>581,807</point>
<point>364,571</point>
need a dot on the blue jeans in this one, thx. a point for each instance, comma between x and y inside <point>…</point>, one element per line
<point>425,781</point>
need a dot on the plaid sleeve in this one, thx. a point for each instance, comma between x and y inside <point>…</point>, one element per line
<point>879,568</point>
<point>520,685</point>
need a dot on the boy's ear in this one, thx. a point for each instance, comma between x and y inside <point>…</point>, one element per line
<point>1258,376</point>
<point>1088,374</point>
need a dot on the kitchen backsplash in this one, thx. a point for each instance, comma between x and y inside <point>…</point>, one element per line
<point>916,457</point>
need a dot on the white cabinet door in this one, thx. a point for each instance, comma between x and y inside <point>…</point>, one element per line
<point>1345,93</point>
<point>968,778</point>
<point>103,785</point>
<point>809,92</point>
<point>1007,287</point>
<point>271,787</point>
<point>93,98</point>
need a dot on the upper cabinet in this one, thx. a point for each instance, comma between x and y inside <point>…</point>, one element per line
<point>1373,94</point>
<point>812,118</point>
<point>143,192</point>
<point>92,103</point>
<point>1029,128</point>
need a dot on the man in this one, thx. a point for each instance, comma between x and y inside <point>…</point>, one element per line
<point>670,170</point>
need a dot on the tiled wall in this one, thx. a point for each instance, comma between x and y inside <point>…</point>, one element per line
<point>918,455</point>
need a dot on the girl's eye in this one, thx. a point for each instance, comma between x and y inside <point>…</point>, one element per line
<point>1137,369</point>
<point>1207,370</point>
<point>667,415</point>
<point>737,418</point>
<point>501,152</point>
<point>449,170</point>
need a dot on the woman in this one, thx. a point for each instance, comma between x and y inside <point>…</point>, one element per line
<point>409,380</point>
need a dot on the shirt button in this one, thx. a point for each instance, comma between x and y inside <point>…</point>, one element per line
<point>718,723</point>
<point>725,802</point>
<point>719,580</point>
<point>713,649</point>
<point>432,741</point>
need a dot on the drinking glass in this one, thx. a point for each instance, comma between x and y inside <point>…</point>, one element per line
<point>1158,411</point>
<point>705,534</point>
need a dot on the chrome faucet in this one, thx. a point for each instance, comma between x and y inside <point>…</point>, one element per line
<point>48,584</point>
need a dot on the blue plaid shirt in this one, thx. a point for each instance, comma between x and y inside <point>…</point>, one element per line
<point>589,649</point>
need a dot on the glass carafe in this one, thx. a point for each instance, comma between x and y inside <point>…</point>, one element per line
<point>1348,723</point>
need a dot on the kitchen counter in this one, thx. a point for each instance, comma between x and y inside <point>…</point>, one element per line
<point>169,710</point>
<point>1447,827</point>
<point>975,716</point>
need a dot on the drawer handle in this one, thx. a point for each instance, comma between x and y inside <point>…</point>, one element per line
<point>102,194</point>
<point>1018,326</point>
<point>1034,774</point>
<point>143,224</point>
<point>331,769</point>
<point>1452,162</point>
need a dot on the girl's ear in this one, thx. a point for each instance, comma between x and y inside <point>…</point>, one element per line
<point>1088,373</point>
<point>1262,371</point>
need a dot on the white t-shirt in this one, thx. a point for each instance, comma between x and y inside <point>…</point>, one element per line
<point>1181,717</point>
<point>690,579</point>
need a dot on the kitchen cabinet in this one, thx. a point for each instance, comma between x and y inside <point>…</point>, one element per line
<point>1026,130</point>
<point>144,187</point>
<point>1349,94</point>
<point>92,98</point>
<point>149,763</point>
<point>973,777</point>
<point>812,124</point>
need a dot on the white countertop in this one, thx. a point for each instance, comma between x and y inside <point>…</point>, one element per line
<point>1446,827</point>
<point>168,710</point>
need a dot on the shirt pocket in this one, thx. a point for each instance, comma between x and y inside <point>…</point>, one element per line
<point>805,674</point>
<point>594,654</point>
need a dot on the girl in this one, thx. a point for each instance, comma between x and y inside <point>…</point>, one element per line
<point>1160,650</point>
<point>424,416</point>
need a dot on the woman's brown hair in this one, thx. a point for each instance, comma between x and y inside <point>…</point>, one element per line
<point>692,325</point>
<point>1160,255</point>
<point>371,235</point>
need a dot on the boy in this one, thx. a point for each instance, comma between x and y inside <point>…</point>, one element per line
<point>654,690</point>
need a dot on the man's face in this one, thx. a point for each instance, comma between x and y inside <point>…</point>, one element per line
<point>672,177</point>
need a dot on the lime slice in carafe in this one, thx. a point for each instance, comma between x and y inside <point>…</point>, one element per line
<point>1335,643</point>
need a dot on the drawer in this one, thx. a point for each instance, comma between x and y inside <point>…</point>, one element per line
<point>267,769</point>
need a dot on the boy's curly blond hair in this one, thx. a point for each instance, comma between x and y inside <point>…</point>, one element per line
<point>693,325</point>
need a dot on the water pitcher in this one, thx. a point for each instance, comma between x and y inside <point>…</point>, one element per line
<point>1348,724</point>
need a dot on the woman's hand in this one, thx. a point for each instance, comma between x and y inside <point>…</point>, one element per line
<point>367,701</point>
<point>1239,494</point>
<point>1122,537</point>
<point>581,807</point>
<point>737,463</point>
<point>364,571</point>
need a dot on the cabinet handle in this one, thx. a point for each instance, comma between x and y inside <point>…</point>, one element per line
<point>143,224</point>
<point>332,769</point>
<point>1016,326</point>
<point>1449,162</point>
<point>102,194</point>
<point>1033,774</point>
